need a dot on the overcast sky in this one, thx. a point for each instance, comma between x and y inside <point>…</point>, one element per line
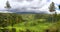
<point>43,4</point>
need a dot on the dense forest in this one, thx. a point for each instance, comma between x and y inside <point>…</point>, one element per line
<point>29,22</point>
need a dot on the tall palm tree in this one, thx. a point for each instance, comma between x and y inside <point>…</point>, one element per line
<point>7,5</point>
<point>52,9</point>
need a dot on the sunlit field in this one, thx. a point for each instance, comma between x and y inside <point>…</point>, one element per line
<point>29,22</point>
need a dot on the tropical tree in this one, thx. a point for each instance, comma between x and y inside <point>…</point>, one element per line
<point>52,7</point>
<point>7,5</point>
<point>59,6</point>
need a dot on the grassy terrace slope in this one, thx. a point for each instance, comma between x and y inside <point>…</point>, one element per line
<point>29,22</point>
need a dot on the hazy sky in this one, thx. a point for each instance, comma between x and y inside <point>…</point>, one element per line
<point>21,3</point>
<point>43,4</point>
<point>24,3</point>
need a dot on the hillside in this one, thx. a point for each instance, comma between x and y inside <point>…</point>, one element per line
<point>29,22</point>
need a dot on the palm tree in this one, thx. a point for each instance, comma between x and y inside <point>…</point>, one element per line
<point>7,5</point>
<point>52,9</point>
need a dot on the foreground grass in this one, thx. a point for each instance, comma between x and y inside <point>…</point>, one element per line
<point>40,27</point>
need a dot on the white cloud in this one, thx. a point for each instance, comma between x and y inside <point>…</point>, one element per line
<point>43,4</point>
<point>56,1</point>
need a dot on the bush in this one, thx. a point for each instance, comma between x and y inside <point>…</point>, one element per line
<point>21,31</point>
<point>27,30</point>
<point>5,30</point>
<point>13,29</point>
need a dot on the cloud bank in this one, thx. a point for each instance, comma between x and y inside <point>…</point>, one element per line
<point>29,5</point>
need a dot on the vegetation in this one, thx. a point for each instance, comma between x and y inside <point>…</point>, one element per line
<point>52,7</point>
<point>29,22</point>
<point>59,6</point>
<point>7,5</point>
